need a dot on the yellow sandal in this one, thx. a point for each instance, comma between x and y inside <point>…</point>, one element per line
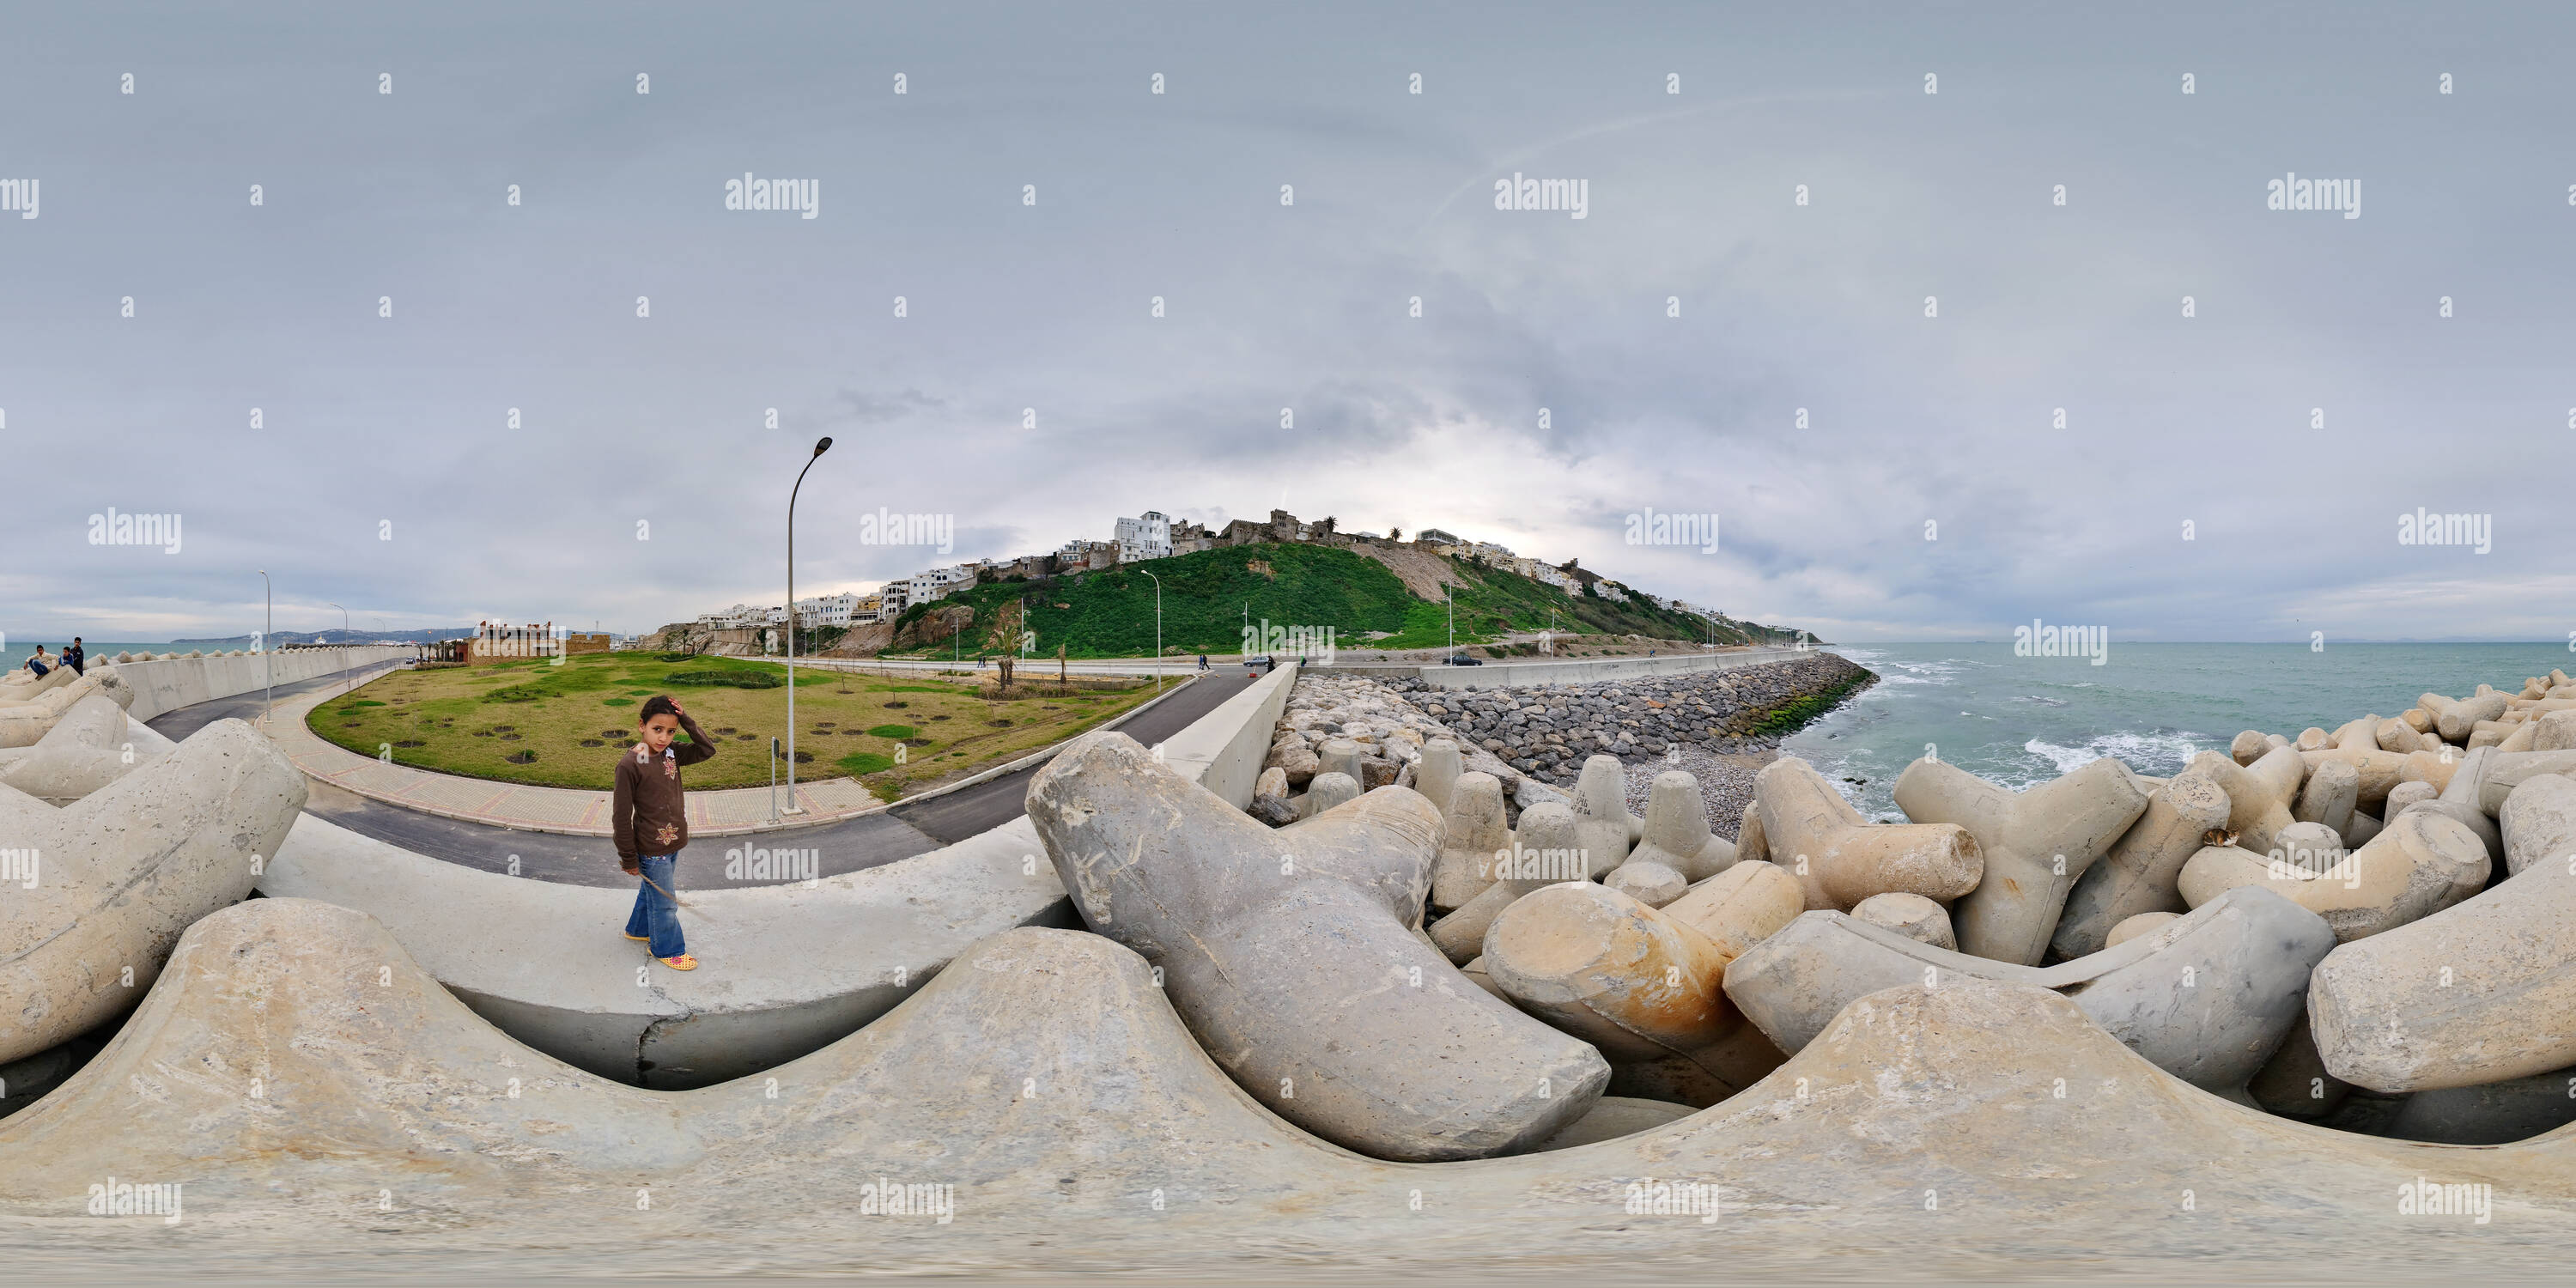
<point>681,962</point>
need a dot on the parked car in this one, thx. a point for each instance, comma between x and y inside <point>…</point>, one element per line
<point>1461,659</point>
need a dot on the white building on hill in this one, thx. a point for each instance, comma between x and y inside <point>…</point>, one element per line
<point>1148,536</point>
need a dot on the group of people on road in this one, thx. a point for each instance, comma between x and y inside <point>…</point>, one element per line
<point>73,656</point>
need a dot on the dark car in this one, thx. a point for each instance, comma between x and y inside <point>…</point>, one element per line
<point>1461,659</point>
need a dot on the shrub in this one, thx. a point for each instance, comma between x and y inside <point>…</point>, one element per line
<point>728,678</point>
<point>893,731</point>
<point>865,762</point>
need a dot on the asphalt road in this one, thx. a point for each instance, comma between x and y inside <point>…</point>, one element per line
<point>847,846</point>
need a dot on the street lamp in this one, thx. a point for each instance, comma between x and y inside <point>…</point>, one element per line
<point>344,647</point>
<point>820,446</point>
<point>268,647</point>
<point>1158,630</point>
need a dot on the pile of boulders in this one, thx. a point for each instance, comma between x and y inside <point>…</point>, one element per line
<point>1362,730</point>
<point>1548,731</point>
<point>2373,928</point>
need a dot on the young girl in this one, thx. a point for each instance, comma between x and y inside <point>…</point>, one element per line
<point>652,820</point>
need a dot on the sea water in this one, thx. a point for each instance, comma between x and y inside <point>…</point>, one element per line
<point>2022,720</point>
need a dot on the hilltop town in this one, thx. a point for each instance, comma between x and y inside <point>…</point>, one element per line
<point>1154,536</point>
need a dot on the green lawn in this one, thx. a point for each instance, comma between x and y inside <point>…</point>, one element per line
<point>564,725</point>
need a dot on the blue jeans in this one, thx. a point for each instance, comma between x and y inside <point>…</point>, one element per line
<point>655,915</point>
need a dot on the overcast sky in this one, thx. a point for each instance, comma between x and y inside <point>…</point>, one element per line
<point>375,428</point>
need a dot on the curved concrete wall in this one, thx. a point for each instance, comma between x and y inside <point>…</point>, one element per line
<point>163,686</point>
<point>786,969</point>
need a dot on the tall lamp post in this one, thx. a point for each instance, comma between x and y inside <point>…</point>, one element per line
<point>820,446</point>
<point>344,647</point>
<point>268,647</point>
<point>1158,631</point>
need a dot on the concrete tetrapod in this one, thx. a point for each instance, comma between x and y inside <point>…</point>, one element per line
<point>94,744</point>
<point>2259,795</point>
<point>1049,1055</point>
<point>2539,822</point>
<point>1547,849</point>
<point>1675,832</point>
<point>1437,773</point>
<point>28,711</point>
<point>2207,997</point>
<point>1810,830</point>
<point>1602,822</point>
<point>2481,992</point>
<point>2495,1114</point>
<point>2036,843</point>
<point>2493,778</point>
<point>1634,983</point>
<point>2422,863</point>
<point>1742,906</point>
<point>1293,958</point>
<point>122,871</point>
<point>1910,915</point>
<point>2139,875</point>
<point>1472,833</point>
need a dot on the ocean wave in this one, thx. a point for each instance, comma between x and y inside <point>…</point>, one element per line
<point>2159,754</point>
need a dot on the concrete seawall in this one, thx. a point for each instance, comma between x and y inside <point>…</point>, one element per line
<point>1519,675</point>
<point>161,686</point>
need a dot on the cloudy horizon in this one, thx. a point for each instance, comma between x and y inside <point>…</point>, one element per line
<point>1836,380</point>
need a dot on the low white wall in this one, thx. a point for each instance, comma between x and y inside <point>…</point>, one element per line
<point>165,686</point>
<point>1224,749</point>
<point>1519,675</point>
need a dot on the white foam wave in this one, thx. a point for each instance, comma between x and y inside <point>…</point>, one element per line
<point>2156,754</point>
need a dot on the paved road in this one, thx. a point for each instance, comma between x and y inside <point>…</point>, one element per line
<point>578,860</point>
<point>177,724</point>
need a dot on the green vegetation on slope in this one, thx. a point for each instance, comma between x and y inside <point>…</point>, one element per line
<point>1208,596</point>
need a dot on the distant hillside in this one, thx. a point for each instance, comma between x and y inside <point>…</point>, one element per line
<point>343,637</point>
<point>1208,595</point>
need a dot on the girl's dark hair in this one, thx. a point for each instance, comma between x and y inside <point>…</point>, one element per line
<point>657,705</point>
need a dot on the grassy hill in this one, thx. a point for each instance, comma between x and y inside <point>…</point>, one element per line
<point>1208,595</point>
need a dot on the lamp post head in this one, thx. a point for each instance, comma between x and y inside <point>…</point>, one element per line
<point>822,445</point>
